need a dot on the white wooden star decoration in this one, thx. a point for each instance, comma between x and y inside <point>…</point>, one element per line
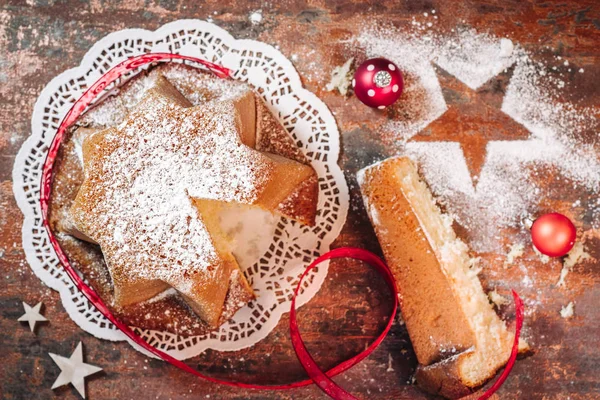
<point>32,315</point>
<point>73,370</point>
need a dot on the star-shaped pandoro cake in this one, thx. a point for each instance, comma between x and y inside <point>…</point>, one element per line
<point>153,187</point>
<point>473,118</point>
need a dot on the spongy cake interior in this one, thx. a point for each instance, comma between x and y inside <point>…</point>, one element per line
<point>176,155</point>
<point>393,191</point>
<point>493,341</point>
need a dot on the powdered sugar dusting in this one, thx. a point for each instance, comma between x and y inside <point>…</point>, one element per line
<point>506,190</point>
<point>472,57</point>
<point>412,53</point>
<point>239,223</point>
<point>140,188</point>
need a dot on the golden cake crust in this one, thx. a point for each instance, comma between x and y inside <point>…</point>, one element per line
<point>435,332</point>
<point>88,259</point>
<point>459,340</point>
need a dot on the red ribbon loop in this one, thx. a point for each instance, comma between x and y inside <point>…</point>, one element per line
<point>314,372</point>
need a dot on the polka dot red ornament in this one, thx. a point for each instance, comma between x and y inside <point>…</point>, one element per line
<point>378,83</point>
<point>553,234</point>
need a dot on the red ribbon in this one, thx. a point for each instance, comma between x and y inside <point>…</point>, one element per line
<point>314,372</point>
<point>519,309</point>
<point>317,376</point>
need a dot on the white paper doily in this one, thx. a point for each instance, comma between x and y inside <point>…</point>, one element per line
<point>275,276</point>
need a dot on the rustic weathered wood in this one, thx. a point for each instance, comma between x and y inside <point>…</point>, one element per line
<point>39,39</point>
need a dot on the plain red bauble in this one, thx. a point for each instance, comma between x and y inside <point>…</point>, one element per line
<point>378,83</point>
<point>553,234</point>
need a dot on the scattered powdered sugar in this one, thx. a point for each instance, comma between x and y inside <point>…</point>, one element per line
<point>472,57</point>
<point>412,54</point>
<point>507,189</point>
<point>197,87</point>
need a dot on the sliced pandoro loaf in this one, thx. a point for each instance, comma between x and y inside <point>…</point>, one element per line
<point>459,340</point>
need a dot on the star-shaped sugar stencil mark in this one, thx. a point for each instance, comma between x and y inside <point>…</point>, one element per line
<point>32,315</point>
<point>506,189</point>
<point>473,118</point>
<point>73,370</point>
<point>475,67</point>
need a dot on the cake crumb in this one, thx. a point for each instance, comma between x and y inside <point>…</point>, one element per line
<point>341,78</point>
<point>543,258</point>
<point>577,254</point>
<point>516,251</point>
<point>400,319</point>
<point>390,359</point>
<point>474,267</point>
<point>256,17</point>
<point>497,299</point>
<point>567,311</point>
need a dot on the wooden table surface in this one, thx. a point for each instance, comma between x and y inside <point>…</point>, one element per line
<point>41,38</point>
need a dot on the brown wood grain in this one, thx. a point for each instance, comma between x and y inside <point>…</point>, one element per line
<point>41,38</point>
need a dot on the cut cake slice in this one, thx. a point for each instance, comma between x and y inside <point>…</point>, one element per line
<point>459,340</point>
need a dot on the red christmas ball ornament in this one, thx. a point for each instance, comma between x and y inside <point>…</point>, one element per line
<point>553,234</point>
<point>378,83</point>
